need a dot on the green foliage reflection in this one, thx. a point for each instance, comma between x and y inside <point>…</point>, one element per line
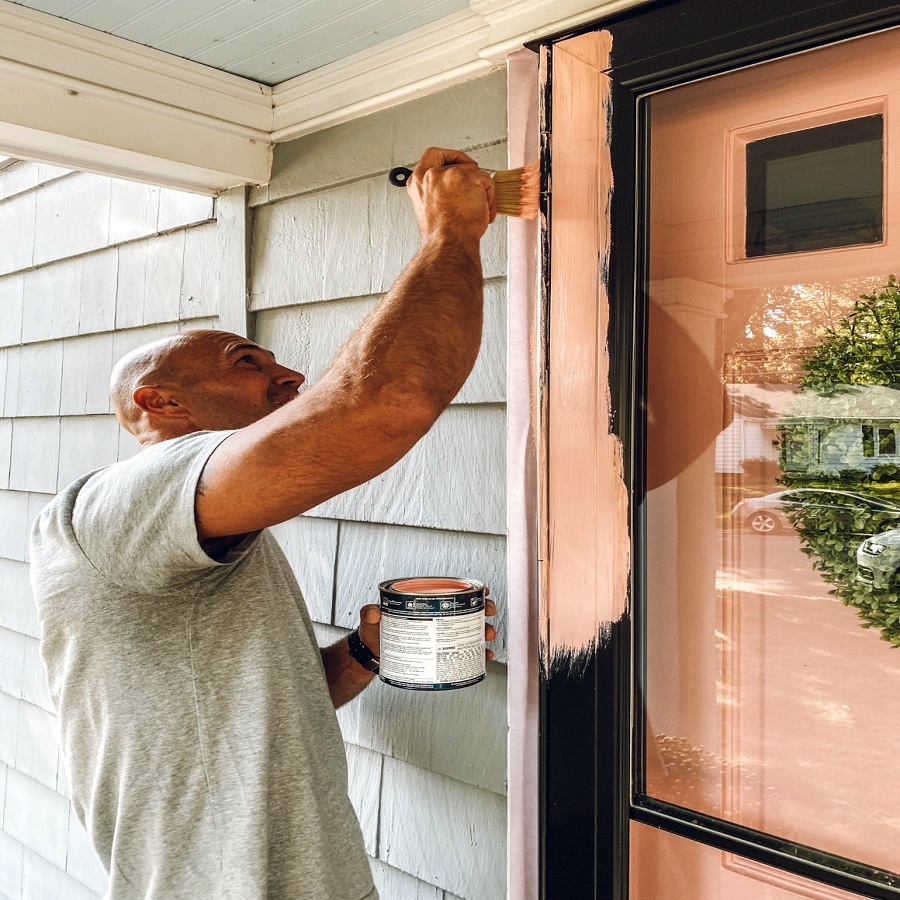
<point>840,437</point>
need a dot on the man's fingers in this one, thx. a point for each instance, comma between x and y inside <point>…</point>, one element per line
<point>492,200</point>
<point>490,633</point>
<point>369,632</point>
<point>370,614</point>
<point>439,156</point>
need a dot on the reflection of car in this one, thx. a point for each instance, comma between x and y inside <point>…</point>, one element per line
<point>878,559</point>
<point>769,514</point>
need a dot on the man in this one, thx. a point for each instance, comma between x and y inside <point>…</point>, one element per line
<point>196,712</point>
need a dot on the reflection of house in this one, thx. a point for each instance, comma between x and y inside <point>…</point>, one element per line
<point>752,432</point>
<point>855,427</point>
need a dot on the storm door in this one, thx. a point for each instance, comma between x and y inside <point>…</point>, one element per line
<point>753,689</point>
<point>772,513</point>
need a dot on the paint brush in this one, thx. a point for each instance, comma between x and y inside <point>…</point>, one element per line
<point>517,190</point>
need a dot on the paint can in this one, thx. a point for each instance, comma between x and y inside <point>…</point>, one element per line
<point>432,633</point>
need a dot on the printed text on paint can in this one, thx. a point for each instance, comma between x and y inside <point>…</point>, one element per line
<point>432,651</point>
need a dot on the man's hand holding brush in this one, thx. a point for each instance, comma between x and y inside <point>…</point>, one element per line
<point>516,191</point>
<point>451,196</point>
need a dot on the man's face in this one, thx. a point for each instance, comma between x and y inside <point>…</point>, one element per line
<point>229,381</point>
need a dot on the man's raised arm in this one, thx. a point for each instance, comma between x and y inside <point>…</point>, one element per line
<point>385,387</point>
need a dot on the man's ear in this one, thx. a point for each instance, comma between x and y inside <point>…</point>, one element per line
<point>159,402</point>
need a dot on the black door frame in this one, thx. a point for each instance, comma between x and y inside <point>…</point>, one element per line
<point>588,747</point>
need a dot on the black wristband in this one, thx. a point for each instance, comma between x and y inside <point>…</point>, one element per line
<point>361,653</point>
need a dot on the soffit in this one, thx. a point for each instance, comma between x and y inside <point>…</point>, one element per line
<point>268,41</point>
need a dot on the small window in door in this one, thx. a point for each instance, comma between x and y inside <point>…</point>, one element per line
<point>816,189</point>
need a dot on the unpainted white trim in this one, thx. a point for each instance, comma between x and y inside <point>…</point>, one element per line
<point>233,234</point>
<point>76,97</point>
<point>415,64</point>
<point>66,49</point>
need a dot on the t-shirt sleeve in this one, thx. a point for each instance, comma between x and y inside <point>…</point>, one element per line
<point>135,523</point>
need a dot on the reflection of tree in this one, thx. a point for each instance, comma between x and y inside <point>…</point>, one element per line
<point>790,316</point>
<point>862,348</point>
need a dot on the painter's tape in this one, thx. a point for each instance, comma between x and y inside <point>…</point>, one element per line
<point>432,633</point>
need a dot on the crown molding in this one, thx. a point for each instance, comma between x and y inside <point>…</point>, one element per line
<point>513,24</point>
<point>55,45</point>
<point>415,64</point>
<point>77,97</point>
<point>455,49</point>
<point>80,98</point>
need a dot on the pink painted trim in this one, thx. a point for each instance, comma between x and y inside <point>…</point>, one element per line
<point>586,542</point>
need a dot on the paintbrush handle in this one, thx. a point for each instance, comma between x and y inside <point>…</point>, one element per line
<point>517,190</point>
<point>399,176</point>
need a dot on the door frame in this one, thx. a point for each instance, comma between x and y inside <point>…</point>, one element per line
<point>591,752</point>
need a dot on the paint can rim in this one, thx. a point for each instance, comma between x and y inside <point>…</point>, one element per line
<point>443,586</point>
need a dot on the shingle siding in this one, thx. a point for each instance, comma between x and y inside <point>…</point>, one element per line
<point>94,267</point>
<point>428,771</point>
<point>69,239</point>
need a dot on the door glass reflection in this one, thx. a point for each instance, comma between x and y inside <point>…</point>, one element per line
<point>773,505</point>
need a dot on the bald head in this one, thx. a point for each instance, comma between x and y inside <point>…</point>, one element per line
<point>153,365</point>
<point>195,381</point>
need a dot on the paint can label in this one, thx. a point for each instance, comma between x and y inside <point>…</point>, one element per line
<point>432,633</point>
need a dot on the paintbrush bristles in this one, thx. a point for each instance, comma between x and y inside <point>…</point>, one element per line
<point>518,191</point>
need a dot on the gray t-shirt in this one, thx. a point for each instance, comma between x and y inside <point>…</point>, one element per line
<point>203,752</point>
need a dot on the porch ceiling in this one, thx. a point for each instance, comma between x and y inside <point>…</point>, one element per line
<point>268,41</point>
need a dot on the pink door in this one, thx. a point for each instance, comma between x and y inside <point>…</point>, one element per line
<point>772,556</point>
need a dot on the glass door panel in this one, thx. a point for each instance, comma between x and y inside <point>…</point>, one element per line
<point>772,560</point>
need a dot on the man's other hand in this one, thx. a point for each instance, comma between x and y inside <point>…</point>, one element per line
<point>370,622</point>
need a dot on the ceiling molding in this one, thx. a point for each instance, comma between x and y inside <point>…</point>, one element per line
<point>76,97</point>
<point>46,42</point>
<point>80,98</point>
<point>453,50</point>
<point>531,20</point>
<point>515,23</point>
<point>418,63</point>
